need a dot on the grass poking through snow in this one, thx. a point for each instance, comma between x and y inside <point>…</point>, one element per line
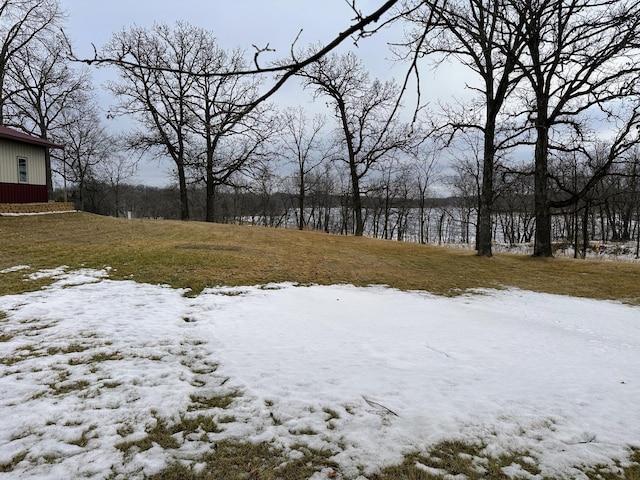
<point>230,460</point>
<point>196,255</point>
<point>453,459</point>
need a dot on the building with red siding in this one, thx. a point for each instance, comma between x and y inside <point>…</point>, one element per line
<point>23,167</point>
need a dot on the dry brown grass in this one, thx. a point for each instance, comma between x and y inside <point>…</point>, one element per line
<point>196,255</point>
<point>454,458</point>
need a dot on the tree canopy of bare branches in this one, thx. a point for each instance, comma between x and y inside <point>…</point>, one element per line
<point>302,143</point>
<point>45,87</point>
<point>365,110</point>
<point>23,22</point>
<point>487,37</point>
<point>582,57</point>
<point>184,109</point>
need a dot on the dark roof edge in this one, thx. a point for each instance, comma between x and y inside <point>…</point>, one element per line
<point>11,134</point>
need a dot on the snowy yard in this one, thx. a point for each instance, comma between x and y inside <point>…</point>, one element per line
<point>368,373</point>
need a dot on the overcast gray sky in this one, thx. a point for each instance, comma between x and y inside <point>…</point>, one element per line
<point>242,23</point>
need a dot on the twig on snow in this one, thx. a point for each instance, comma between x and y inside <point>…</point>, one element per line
<point>378,405</point>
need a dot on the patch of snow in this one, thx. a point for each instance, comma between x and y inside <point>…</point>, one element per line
<point>27,214</point>
<point>369,373</point>
<point>17,268</point>
<point>611,252</point>
<point>430,470</point>
<point>77,277</point>
<point>49,273</point>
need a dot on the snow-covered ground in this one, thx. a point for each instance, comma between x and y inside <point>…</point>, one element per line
<point>371,373</point>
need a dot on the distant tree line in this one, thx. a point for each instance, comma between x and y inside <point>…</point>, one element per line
<point>542,146</point>
<point>393,208</point>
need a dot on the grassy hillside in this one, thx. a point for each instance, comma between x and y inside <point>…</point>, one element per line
<point>196,255</point>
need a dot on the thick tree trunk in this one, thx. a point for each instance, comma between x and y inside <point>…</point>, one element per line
<point>422,220</point>
<point>485,204</point>
<point>3,69</point>
<point>542,247</point>
<point>585,230</point>
<point>356,201</point>
<point>210,203</point>
<point>638,232</point>
<point>184,199</point>
<point>212,143</point>
<point>211,194</point>
<point>301,195</point>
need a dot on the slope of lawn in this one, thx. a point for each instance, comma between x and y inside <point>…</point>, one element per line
<point>196,255</point>
<point>115,380</point>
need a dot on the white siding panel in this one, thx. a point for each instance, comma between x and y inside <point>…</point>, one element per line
<point>9,153</point>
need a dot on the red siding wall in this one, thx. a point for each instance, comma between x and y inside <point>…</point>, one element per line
<point>22,193</point>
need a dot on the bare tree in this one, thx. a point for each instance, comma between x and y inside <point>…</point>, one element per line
<point>365,110</point>
<point>21,23</point>
<point>178,89</point>
<point>154,90</point>
<point>44,85</point>
<point>221,117</point>
<point>426,171</point>
<point>266,185</point>
<point>487,37</point>
<point>116,168</point>
<point>466,179</point>
<point>514,206</point>
<point>303,144</point>
<point>322,197</point>
<point>390,199</point>
<point>581,58</point>
<point>87,145</point>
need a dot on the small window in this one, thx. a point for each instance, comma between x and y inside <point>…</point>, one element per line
<point>22,170</point>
